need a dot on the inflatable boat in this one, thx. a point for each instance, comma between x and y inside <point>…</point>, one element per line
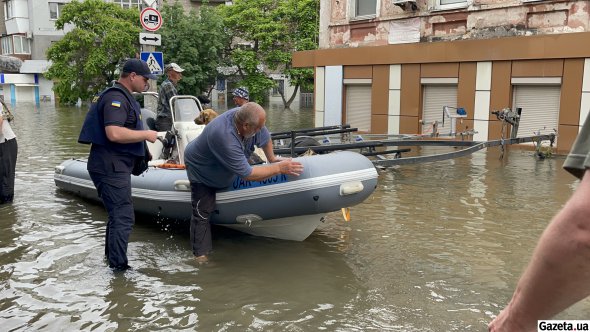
<point>284,207</point>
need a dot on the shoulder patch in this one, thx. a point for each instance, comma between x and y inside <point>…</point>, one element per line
<point>115,103</point>
<point>95,99</point>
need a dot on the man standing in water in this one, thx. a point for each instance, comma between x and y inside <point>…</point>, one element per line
<point>559,271</point>
<point>220,153</point>
<point>114,128</point>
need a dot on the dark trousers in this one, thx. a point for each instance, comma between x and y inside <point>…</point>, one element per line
<point>203,202</point>
<point>8,152</point>
<point>115,192</point>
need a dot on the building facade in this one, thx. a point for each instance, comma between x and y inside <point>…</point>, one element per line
<point>390,66</point>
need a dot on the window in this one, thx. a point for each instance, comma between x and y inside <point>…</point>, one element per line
<point>364,8</point>
<point>9,9</point>
<point>21,45</point>
<point>55,10</point>
<point>7,45</point>
<point>128,3</point>
<point>16,44</point>
<point>451,4</point>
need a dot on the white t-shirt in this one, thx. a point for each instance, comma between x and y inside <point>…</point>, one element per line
<point>6,132</point>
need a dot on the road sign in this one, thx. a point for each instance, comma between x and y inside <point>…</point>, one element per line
<point>151,19</point>
<point>155,61</point>
<point>150,39</point>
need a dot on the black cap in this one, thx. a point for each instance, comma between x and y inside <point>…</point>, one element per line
<point>139,67</point>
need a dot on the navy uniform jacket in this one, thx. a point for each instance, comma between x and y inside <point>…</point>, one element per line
<point>114,106</point>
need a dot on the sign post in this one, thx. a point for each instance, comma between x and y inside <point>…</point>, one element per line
<point>151,20</point>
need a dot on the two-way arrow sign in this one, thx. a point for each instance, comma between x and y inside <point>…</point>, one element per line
<point>150,39</point>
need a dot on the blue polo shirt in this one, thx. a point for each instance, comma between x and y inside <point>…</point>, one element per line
<point>216,156</point>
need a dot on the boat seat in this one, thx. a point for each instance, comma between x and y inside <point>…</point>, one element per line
<point>186,132</point>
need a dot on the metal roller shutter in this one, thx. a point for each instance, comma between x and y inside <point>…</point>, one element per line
<point>358,107</point>
<point>540,108</point>
<point>435,97</point>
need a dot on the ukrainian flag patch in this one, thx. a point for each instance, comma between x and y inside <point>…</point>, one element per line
<point>116,104</point>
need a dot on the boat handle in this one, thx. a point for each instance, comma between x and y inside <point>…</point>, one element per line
<point>182,185</point>
<point>350,188</point>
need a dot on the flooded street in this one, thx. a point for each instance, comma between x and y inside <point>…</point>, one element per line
<point>438,247</point>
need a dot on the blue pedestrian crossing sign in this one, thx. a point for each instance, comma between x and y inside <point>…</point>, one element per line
<point>155,61</point>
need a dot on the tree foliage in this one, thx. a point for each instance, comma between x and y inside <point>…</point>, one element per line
<point>276,28</point>
<point>86,59</point>
<point>195,41</point>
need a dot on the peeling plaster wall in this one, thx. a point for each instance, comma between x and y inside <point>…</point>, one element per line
<point>483,19</point>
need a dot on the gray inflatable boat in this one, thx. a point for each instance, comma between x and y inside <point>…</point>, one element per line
<point>284,207</point>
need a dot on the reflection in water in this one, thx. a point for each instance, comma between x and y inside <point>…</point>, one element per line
<point>438,247</point>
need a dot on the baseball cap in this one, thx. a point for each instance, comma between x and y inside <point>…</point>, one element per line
<point>139,67</point>
<point>174,67</point>
<point>241,92</point>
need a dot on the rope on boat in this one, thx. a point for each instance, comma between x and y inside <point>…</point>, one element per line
<point>172,166</point>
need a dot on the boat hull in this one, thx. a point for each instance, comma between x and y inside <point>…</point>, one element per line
<point>286,207</point>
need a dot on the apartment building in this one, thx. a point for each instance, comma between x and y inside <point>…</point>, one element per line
<point>389,66</point>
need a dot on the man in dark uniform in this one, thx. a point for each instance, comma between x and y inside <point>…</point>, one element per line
<point>114,128</point>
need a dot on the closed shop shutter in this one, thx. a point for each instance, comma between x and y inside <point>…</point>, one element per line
<point>358,107</point>
<point>435,97</point>
<point>540,108</point>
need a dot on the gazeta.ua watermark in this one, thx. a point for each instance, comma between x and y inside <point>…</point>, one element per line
<point>563,325</point>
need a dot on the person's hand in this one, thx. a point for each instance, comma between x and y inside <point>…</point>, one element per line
<point>151,136</point>
<point>290,167</point>
<point>277,159</point>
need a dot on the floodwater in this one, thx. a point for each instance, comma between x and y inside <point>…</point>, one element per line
<point>438,247</point>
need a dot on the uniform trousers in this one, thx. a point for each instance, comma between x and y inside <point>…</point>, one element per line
<point>115,191</point>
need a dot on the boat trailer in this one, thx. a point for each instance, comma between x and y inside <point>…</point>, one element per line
<point>302,141</point>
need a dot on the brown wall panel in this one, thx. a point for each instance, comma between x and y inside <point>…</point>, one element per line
<point>439,70</point>
<point>567,136</point>
<point>379,124</point>
<point>466,93</point>
<point>501,93</point>
<point>408,125</point>
<point>571,92</point>
<point>410,99</point>
<point>551,46</point>
<point>537,68</point>
<point>358,71</point>
<point>495,130</point>
<point>380,92</point>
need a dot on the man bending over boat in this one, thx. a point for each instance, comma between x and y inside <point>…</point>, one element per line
<point>114,128</point>
<point>217,155</point>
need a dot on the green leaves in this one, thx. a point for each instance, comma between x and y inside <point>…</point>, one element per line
<point>86,59</point>
<point>276,28</point>
<point>103,34</point>
<point>195,41</point>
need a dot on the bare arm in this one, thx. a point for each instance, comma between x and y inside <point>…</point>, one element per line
<point>1,120</point>
<point>558,273</point>
<point>269,153</point>
<point>286,166</point>
<point>124,135</point>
